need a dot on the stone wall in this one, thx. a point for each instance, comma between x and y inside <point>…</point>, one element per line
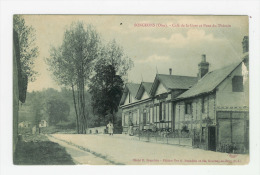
<point>97,130</point>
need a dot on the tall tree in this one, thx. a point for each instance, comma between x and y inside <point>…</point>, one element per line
<point>107,83</point>
<point>27,46</point>
<point>106,89</point>
<point>113,54</point>
<point>72,63</point>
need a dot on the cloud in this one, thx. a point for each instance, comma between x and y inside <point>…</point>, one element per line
<point>177,40</point>
<point>154,58</point>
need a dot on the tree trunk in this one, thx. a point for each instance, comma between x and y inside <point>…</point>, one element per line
<point>75,106</point>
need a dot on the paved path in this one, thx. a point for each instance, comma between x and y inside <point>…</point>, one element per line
<point>118,149</point>
<point>80,156</point>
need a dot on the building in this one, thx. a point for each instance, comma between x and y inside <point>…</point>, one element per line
<point>149,104</point>
<point>19,86</point>
<point>24,124</point>
<point>43,124</point>
<point>213,108</point>
<point>216,109</point>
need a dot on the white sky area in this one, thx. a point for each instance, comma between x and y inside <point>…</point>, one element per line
<point>179,48</point>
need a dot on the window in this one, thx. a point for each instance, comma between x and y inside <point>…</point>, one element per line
<point>126,120</point>
<point>129,98</point>
<point>188,108</point>
<point>162,111</point>
<point>203,131</point>
<point>151,114</point>
<point>130,121</point>
<point>237,84</point>
<point>147,117</point>
<point>203,105</point>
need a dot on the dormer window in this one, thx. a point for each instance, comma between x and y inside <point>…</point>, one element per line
<point>237,84</point>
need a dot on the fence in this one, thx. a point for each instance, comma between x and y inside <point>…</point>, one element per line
<point>164,137</point>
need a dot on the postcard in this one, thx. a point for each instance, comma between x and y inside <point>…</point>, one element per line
<point>130,90</point>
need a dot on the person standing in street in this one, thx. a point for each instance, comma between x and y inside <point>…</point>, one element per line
<point>110,128</point>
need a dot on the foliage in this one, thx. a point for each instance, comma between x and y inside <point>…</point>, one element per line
<point>106,89</point>
<point>106,85</point>
<point>72,63</point>
<point>36,106</point>
<point>57,109</point>
<point>113,54</point>
<point>28,49</point>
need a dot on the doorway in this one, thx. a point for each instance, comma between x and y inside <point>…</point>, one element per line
<point>212,138</point>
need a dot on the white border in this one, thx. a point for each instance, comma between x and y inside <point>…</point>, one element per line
<point>240,7</point>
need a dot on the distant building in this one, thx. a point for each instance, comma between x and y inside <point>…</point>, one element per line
<point>24,124</point>
<point>212,107</point>
<point>43,124</point>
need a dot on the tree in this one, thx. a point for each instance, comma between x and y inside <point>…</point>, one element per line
<point>112,54</point>
<point>107,84</point>
<point>28,49</point>
<point>57,109</point>
<point>36,103</point>
<point>72,63</point>
<point>106,89</point>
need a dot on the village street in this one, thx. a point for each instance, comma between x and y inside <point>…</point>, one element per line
<point>122,149</point>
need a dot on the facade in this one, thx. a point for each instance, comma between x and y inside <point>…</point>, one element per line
<point>19,87</point>
<point>216,109</point>
<point>213,108</point>
<point>149,105</point>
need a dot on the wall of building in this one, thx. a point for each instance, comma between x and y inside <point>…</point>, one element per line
<point>160,89</point>
<point>150,110</point>
<point>195,119</point>
<point>131,114</point>
<point>226,98</point>
<point>132,99</point>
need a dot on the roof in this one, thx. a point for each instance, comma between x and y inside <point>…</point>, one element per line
<point>209,82</point>
<point>173,82</point>
<point>147,86</point>
<point>133,88</point>
<point>129,87</point>
<point>144,86</point>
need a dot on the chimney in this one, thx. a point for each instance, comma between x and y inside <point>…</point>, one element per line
<point>203,67</point>
<point>245,44</point>
<point>170,71</point>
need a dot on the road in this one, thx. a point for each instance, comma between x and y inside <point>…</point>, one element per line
<point>119,149</point>
<point>80,156</point>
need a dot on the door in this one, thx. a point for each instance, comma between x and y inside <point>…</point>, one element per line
<point>212,138</point>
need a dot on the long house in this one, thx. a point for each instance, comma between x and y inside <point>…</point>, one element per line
<point>213,107</point>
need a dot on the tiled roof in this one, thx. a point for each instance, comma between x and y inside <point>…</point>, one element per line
<point>144,86</point>
<point>173,82</point>
<point>209,82</point>
<point>147,86</point>
<point>177,81</point>
<point>133,88</point>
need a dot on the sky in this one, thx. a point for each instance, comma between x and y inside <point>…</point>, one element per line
<point>154,43</point>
